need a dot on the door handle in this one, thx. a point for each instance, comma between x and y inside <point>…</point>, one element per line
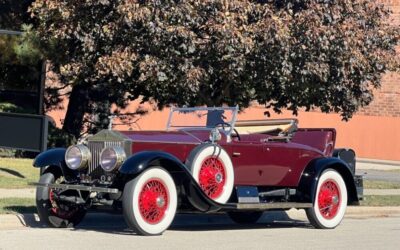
<point>236,154</point>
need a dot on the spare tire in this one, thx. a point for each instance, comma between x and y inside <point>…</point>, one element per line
<point>212,168</point>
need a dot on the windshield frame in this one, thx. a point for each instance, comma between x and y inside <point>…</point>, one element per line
<point>227,132</point>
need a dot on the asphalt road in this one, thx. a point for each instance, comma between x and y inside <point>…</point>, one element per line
<point>211,232</point>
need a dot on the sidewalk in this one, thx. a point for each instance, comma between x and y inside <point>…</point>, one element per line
<point>17,193</point>
<point>373,164</point>
<point>381,191</point>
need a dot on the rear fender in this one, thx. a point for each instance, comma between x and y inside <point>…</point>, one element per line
<point>309,179</point>
<point>53,161</point>
<point>187,185</point>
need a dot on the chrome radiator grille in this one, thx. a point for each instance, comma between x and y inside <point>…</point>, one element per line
<point>95,148</point>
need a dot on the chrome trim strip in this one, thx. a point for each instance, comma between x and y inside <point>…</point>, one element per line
<point>275,205</point>
<point>169,142</point>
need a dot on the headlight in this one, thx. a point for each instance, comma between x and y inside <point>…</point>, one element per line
<point>112,158</point>
<point>77,157</point>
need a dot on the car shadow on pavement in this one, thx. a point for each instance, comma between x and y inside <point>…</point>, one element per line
<point>115,224</point>
<point>201,222</point>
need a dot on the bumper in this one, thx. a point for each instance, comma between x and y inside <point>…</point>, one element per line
<point>77,187</point>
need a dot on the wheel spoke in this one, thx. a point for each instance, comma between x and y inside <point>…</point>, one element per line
<point>153,201</point>
<point>329,199</point>
<point>212,177</point>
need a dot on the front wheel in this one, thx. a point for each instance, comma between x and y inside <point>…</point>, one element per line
<point>330,201</point>
<point>53,212</point>
<point>150,202</point>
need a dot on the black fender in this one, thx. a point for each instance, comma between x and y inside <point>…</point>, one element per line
<point>141,161</point>
<point>309,179</point>
<point>53,161</point>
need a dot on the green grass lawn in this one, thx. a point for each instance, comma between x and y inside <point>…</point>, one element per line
<point>368,184</point>
<point>17,205</point>
<point>16,173</point>
<point>381,200</point>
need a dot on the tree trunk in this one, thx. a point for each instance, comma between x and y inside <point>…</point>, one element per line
<point>77,107</point>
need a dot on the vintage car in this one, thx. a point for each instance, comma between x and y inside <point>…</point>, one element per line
<point>205,161</point>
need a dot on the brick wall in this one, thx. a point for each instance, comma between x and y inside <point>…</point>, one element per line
<point>387,99</point>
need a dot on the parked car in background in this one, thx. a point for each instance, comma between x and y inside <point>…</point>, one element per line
<point>205,161</point>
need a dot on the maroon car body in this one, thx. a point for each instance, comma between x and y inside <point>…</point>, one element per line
<point>239,167</point>
<point>256,160</point>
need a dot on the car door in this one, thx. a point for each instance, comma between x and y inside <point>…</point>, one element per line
<point>265,163</point>
<point>280,163</point>
<point>247,160</point>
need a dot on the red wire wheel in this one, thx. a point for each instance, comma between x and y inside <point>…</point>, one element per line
<point>57,210</point>
<point>329,199</point>
<point>212,177</point>
<point>153,201</point>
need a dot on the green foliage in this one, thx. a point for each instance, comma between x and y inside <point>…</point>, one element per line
<point>13,14</point>
<point>291,54</point>
<point>57,138</point>
<point>9,107</point>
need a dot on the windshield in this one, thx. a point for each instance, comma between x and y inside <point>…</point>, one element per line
<point>202,118</point>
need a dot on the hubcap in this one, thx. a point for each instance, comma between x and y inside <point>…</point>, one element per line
<point>212,177</point>
<point>153,201</point>
<point>160,202</point>
<point>329,199</point>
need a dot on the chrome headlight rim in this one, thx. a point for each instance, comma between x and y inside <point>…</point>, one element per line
<point>85,157</point>
<point>119,156</point>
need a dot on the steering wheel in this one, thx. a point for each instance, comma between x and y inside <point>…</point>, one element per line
<point>225,125</point>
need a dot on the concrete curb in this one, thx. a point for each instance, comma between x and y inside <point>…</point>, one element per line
<point>24,221</point>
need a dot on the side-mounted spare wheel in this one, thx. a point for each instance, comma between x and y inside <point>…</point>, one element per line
<point>51,211</point>
<point>150,202</point>
<point>212,168</point>
<point>330,201</point>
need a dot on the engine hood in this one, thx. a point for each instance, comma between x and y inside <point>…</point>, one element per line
<point>191,137</point>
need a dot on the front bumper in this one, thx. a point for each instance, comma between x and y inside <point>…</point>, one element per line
<point>76,187</point>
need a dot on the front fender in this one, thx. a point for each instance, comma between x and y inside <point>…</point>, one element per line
<point>309,179</point>
<point>52,157</point>
<point>53,161</point>
<point>141,161</point>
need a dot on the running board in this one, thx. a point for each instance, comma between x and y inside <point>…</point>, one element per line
<point>272,205</point>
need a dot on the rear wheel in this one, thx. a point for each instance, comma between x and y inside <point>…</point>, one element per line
<point>245,217</point>
<point>150,202</point>
<point>53,212</point>
<point>330,201</point>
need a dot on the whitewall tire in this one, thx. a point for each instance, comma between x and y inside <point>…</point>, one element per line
<point>330,201</point>
<point>212,168</point>
<point>150,202</point>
